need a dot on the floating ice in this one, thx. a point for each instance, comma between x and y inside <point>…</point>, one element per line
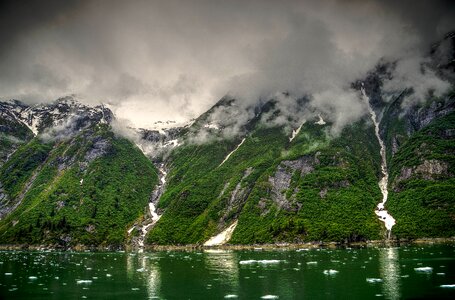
<point>270,297</point>
<point>108,275</point>
<point>312,263</point>
<point>230,296</point>
<point>83,281</point>
<point>302,249</point>
<point>264,262</point>
<point>330,272</point>
<point>32,277</point>
<point>424,269</point>
<point>374,280</point>
<point>135,289</point>
<point>8,274</point>
<point>447,286</point>
<point>441,274</point>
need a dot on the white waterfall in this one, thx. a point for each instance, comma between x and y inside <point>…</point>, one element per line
<point>383,215</point>
<point>149,222</point>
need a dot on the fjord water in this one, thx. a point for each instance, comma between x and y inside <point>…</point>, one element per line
<point>357,273</point>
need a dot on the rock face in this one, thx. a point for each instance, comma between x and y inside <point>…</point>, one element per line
<point>428,170</point>
<point>281,180</point>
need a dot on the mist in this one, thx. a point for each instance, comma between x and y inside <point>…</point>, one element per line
<point>172,60</point>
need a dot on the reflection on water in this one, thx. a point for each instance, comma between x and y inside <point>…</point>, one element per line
<point>287,274</point>
<point>152,272</point>
<point>223,263</point>
<point>147,265</point>
<point>390,270</point>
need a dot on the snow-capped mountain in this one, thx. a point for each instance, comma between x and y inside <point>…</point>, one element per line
<point>42,116</point>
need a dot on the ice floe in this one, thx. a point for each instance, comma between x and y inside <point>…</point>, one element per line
<point>270,297</point>
<point>263,262</point>
<point>424,270</point>
<point>87,281</point>
<point>374,280</point>
<point>330,272</point>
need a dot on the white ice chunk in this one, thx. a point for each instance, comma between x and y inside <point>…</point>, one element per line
<point>87,281</point>
<point>374,280</point>
<point>330,272</point>
<point>447,286</point>
<point>424,270</point>
<point>263,262</point>
<point>270,297</point>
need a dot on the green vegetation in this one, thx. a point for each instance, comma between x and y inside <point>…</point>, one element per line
<point>60,209</point>
<point>91,187</point>
<point>424,203</point>
<point>201,195</point>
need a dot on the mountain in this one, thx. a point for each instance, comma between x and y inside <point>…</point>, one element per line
<point>76,182</point>
<point>236,174</point>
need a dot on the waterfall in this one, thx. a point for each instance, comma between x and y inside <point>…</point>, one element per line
<point>383,215</point>
<point>153,217</point>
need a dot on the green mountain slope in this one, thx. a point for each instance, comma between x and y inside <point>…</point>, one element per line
<point>82,190</point>
<point>311,188</point>
<point>423,187</point>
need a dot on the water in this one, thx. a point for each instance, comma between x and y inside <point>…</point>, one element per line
<point>363,273</point>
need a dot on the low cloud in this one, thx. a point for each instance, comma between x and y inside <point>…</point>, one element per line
<point>172,60</point>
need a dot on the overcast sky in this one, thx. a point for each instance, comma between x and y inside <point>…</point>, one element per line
<point>171,60</point>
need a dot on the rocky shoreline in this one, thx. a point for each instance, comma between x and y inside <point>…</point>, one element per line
<point>279,246</point>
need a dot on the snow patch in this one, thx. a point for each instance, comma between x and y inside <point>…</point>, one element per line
<point>295,132</point>
<point>321,121</point>
<point>211,126</point>
<point>223,237</point>
<point>227,157</point>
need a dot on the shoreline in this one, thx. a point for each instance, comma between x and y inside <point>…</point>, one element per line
<point>266,247</point>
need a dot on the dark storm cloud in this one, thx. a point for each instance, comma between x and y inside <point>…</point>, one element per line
<point>18,17</point>
<point>155,60</point>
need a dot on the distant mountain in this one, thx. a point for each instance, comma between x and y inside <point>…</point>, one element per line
<point>241,175</point>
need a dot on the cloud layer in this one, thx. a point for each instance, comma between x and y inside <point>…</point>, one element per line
<point>161,60</point>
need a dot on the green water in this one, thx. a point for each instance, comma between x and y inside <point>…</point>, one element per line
<point>362,273</point>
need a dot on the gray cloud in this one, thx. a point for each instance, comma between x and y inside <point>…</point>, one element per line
<point>159,60</point>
